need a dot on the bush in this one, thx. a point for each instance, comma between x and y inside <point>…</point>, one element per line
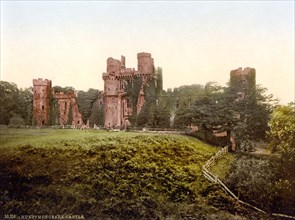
<point>16,122</point>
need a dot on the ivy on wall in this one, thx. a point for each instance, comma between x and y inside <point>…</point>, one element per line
<point>53,117</point>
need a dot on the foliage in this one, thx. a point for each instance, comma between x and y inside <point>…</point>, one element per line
<point>159,81</point>
<point>222,166</point>
<point>132,92</point>
<point>86,101</point>
<point>117,175</point>
<point>182,98</point>
<point>262,182</point>
<point>97,114</point>
<point>282,141</point>
<point>252,180</point>
<point>147,114</point>
<point>16,122</point>
<point>220,109</point>
<point>14,101</point>
<point>67,89</point>
<point>54,114</point>
<point>282,132</point>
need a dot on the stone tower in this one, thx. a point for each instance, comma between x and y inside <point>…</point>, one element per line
<point>243,81</point>
<point>118,107</point>
<point>145,63</point>
<point>41,103</point>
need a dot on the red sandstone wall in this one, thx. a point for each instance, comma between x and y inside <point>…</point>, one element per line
<point>67,101</point>
<point>117,109</point>
<point>41,101</point>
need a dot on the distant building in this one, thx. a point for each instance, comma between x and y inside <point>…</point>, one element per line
<point>243,82</point>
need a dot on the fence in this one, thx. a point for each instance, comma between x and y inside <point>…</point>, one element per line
<point>213,178</point>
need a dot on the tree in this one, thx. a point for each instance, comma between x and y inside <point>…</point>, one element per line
<point>282,141</point>
<point>159,81</point>
<point>9,96</point>
<point>25,105</point>
<point>85,101</point>
<point>220,109</point>
<point>282,132</point>
<point>16,122</point>
<point>96,116</point>
<point>252,180</point>
<point>14,101</point>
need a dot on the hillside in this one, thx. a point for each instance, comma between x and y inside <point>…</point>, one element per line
<point>100,174</point>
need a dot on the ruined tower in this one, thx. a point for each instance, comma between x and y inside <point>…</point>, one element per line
<point>118,107</point>
<point>243,82</point>
<point>41,102</point>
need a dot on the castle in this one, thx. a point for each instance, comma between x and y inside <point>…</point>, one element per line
<point>118,106</point>
<point>43,104</point>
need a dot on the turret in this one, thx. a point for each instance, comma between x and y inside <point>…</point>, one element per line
<point>243,81</point>
<point>145,63</point>
<point>41,102</point>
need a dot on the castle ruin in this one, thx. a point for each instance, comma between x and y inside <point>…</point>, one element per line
<point>118,106</point>
<point>42,104</point>
<point>67,102</point>
<point>41,100</point>
<point>242,81</point>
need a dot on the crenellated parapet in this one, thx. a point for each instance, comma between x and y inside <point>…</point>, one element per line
<point>117,106</point>
<point>41,100</point>
<point>243,81</point>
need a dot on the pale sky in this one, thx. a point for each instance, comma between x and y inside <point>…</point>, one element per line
<point>194,42</point>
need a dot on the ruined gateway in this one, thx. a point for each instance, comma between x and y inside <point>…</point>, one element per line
<point>116,99</point>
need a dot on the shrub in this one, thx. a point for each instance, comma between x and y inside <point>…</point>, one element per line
<point>16,122</point>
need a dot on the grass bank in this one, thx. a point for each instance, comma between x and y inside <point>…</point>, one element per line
<point>100,174</point>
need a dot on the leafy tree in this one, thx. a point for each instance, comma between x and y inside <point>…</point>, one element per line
<point>9,96</point>
<point>85,102</point>
<point>282,141</point>
<point>183,98</point>
<point>25,105</point>
<point>252,180</point>
<point>16,121</point>
<point>97,114</point>
<point>159,81</point>
<point>221,109</point>
<point>14,101</point>
<point>282,131</point>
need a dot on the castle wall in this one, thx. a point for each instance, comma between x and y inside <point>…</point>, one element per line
<point>117,107</point>
<point>67,102</point>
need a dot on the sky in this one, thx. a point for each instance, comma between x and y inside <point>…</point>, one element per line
<point>194,42</point>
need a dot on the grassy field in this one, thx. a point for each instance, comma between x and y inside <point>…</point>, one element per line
<point>108,175</point>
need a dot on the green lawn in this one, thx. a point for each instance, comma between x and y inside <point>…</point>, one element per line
<point>100,174</point>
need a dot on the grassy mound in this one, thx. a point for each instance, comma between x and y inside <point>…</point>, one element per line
<point>102,174</point>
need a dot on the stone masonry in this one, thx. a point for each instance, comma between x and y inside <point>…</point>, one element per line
<point>118,108</point>
<point>242,81</point>
<point>42,95</point>
<point>67,101</point>
<point>41,101</point>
